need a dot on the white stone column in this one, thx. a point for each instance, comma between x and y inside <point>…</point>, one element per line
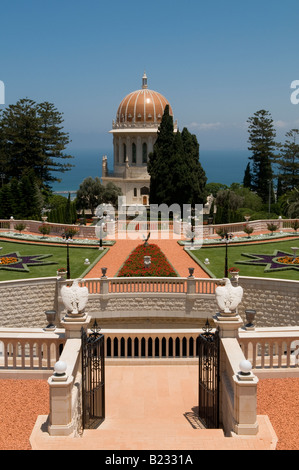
<point>245,404</point>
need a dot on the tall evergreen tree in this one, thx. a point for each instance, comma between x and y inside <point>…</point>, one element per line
<point>158,161</point>
<point>289,162</point>
<point>174,167</point>
<point>31,136</point>
<point>262,145</point>
<point>247,177</point>
<point>68,218</point>
<point>196,184</point>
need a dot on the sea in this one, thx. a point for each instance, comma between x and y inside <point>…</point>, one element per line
<point>221,166</point>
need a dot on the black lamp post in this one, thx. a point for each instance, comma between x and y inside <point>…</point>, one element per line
<point>68,274</point>
<point>226,260</point>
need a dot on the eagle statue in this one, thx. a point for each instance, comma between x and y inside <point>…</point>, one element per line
<point>228,297</point>
<point>75,297</point>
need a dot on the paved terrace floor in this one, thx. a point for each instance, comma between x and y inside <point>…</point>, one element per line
<point>152,407</point>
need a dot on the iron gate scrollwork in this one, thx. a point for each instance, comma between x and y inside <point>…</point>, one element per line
<point>208,397</point>
<point>93,378</point>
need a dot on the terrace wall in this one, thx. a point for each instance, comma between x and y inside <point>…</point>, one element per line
<point>276,301</point>
<point>182,303</point>
<point>23,302</point>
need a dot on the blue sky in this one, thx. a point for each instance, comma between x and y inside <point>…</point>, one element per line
<point>217,62</point>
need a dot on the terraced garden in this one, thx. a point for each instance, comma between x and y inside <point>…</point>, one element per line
<point>270,259</point>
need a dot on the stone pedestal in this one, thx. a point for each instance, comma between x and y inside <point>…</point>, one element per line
<point>245,401</point>
<point>228,324</point>
<point>72,323</point>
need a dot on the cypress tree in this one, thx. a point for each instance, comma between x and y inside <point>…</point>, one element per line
<point>247,177</point>
<point>68,215</point>
<point>158,161</point>
<point>176,173</point>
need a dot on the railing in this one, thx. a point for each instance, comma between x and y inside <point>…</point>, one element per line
<point>29,349</point>
<point>271,348</point>
<point>173,285</point>
<point>124,344</point>
<point>154,226</point>
<point>34,349</point>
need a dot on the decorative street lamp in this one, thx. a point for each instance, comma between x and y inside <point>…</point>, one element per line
<point>68,274</point>
<point>226,260</point>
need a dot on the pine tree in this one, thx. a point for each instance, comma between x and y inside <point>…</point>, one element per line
<point>31,137</point>
<point>6,202</point>
<point>31,200</point>
<point>289,162</point>
<point>262,145</point>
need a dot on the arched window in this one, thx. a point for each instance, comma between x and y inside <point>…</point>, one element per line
<point>134,153</point>
<point>125,152</point>
<point>144,153</point>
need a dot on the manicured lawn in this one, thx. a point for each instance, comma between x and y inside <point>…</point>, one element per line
<point>58,255</point>
<point>216,256</point>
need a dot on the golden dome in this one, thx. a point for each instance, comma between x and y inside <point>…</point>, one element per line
<point>142,108</point>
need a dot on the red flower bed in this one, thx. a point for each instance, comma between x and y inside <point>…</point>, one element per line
<point>134,265</point>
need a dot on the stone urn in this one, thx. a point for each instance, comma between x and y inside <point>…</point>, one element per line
<point>51,315</point>
<point>191,272</point>
<point>250,316</point>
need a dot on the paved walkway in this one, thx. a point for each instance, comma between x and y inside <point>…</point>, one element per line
<point>119,252</point>
<point>152,407</point>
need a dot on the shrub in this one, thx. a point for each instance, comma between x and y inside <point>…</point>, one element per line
<point>20,227</point>
<point>69,232</point>
<point>295,225</point>
<point>44,229</point>
<point>247,229</point>
<point>272,227</point>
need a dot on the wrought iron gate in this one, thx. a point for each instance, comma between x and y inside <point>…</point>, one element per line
<point>93,378</point>
<point>208,397</point>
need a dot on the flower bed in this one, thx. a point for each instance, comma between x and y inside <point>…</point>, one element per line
<point>16,262</point>
<point>134,265</point>
<point>8,260</point>
<point>288,260</point>
<point>279,261</point>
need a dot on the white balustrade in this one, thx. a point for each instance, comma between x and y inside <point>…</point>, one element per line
<point>30,349</point>
<point>271,348</point>
<point>174,285</point>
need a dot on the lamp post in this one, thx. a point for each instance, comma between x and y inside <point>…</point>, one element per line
<point>226,260</point>
<point>68,274</point>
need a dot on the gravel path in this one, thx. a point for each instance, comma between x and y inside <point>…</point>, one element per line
<point>21,401</point>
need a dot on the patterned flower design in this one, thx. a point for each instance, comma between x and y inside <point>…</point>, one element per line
<point>16,262</point>
<point>279,260</point>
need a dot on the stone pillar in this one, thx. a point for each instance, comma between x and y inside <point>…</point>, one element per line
<point>63,394</point>
<point>245,403</point>
<point>228,325</point>
<point>243,382</point>
<point>73,324</point>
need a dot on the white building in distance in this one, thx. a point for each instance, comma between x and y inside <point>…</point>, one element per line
<point>134,134</point>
